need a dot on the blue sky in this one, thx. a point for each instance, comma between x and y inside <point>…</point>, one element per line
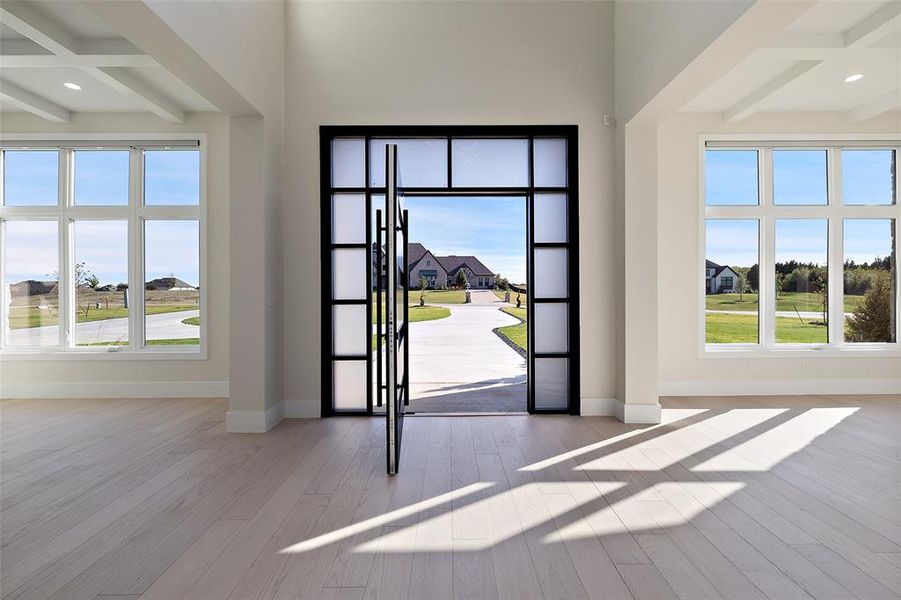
<point>101,179</point>
<point>799,178</point>
<point>491,228</point>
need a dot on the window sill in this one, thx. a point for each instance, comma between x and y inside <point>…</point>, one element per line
<point>801,351</point>
<point>25,354</point>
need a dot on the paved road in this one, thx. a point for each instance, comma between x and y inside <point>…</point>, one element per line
<point>163,326</point>
<point>459,364</point>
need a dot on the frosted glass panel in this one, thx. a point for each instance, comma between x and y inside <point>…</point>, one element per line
<point>349,274</point>
<point>422,162</point>
<point>349,219</point>
<point>349,329</point>
<point>551,273</point>
<point>550,162</point>
<point>551,383</point>
<point>349,384</point>
<point>550,218</point>
<point>551,327</point>
<point>490,162</point>
<point>348,163</point>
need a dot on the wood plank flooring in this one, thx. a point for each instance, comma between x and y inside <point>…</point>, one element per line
<point>738,498</point>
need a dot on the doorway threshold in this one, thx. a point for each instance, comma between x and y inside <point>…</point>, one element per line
<point>468,414</point>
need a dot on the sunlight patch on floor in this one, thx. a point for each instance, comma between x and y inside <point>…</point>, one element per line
<point>670,416</point>
<point>772,446</point>
<point>384,520</point>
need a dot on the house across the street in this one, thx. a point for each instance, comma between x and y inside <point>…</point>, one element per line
<point>169,284</point>
<point>440,270</point>
<point>720,279</point>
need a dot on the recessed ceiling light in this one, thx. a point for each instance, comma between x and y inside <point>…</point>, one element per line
<point>854,77</point>
<point>72,85</point>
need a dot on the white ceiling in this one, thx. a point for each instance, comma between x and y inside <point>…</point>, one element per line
<point>45,44</point>
<point>803,68</point>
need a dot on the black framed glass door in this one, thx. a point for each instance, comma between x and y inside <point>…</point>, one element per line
<point>539,163</point>
<point>395,350</point>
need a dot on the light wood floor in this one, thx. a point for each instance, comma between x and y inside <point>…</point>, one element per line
<point>776,498</point>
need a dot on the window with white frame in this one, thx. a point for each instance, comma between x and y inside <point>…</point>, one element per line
<point>800,245</point>
<point>100,247</point>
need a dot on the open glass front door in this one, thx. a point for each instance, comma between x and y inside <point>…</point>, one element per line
<point>394,353</point>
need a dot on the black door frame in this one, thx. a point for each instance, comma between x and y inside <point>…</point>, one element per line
<point>328,133</point>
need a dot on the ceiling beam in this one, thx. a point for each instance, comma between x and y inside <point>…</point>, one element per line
<point>33,103</point>
<point>749,105</point>
<point>875,27</point>
<point>883,103</point>
<point>80,61</point>
<point>140,25</point>
<point>805,45</point>
<point>155,102</point>
<point>22,17</point>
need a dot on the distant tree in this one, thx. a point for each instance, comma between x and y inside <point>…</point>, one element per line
<point>741,284</point>
<point>461,279</point>
<point>92,281</point>
<point>423,284</point>
<point>754,278</point>
<point>780,283</point>
<point>872,319</point>
<point>501,282</point>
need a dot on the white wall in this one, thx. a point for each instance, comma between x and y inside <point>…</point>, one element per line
<point>245,43</point>
<point>162,378</point>
<point>447,63</point>
<point>682,371</point>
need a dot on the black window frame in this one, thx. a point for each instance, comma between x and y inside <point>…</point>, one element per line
<point>328,133</point>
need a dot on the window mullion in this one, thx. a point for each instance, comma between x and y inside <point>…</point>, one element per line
<point>66,265</point>
<point>836,267</point>
<point>766,284</point>
<point>135,254</point>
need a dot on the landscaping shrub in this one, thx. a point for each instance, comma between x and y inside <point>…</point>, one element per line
<point>873,320</point>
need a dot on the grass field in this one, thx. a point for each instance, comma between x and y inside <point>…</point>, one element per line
<point>787,301</point>
<point>173,342</point>
<point>500,295</point>
<point>191,321</point>
<point>742,329</point>
<point>22,317</point>
<point>518,334</point>
<point>417,315</point>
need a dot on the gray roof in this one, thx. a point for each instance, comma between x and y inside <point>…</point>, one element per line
<point>454,263</point>
<point>415,252</point>
<point>167,283</point>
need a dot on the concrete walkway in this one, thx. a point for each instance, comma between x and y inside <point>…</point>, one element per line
<point>458,364</point>
<point>162,326</point>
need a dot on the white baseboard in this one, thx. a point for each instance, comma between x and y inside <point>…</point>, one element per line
<point>599,407</point>
<point>296,408</point>
<point>254,421</point>
<point>126,389</point>
<point>627,413</point>
<point>789,387</point>
<point>638,413</point>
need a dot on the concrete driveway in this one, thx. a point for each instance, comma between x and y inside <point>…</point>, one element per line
<point>459,364</point>
<point>162,326</point>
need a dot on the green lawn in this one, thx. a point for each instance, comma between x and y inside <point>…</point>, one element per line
<point>23,317</point>
<point>191,321</point>
<point>518,334</point>
<point>500,295</point>
<point>787,301</point>
<point>418,314</point>
<point>167,342</point>
<point>742,329</point>
<point>439,296</point>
